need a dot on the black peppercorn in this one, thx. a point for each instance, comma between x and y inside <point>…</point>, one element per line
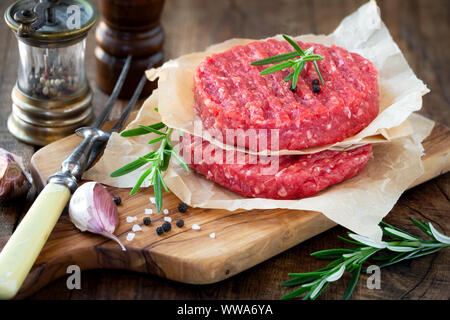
<point>159,231</point>
<point>166,226</point>
<point>147,221</point>
<point>182,207</point>
<point>293,89</point>
<point>180,223</point>
<point>315,82</point>
<point>117,200</point>
<point>316,88</point>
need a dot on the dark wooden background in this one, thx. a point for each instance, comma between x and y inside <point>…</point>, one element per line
<point>420,27</point>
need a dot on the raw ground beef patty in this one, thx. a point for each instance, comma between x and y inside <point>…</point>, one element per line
<point>295,177</point>
<point>231,94</point>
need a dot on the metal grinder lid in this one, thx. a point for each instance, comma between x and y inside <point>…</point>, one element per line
<point>69,20</point>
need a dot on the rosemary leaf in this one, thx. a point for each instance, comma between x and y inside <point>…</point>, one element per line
<point>395,232</point>
<point>295,76</point>
<point>295,293</point>
<point>165,162</point>
<point>318,72</point>
<point>309,51</point>
<point>156,140</point>
<point>314,273</point>
<point>141,180</point>
<point>277,58</point>
<point>277,67</point>
<point>422,226</point>
<point>312,57</point>
<point>150,129</point>
<point>330,253</point>
<point>317,289</point>
<point>332,264</point>
<point>350,241</point>
<point>294,44</point>
<point>132,165</point>
<point>158,192</point>
<point>180,160</point>
<point>298,281</point>
<point>289,77</point>
<point>384,257</point>
<point>141,131</point>
<point>423,253</point>
<point>158,172</point>
<point>353,282</point>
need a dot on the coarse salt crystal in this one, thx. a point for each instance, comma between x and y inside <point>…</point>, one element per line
<point>212,235</point>
<point>168,219</point>
<point>131,219</point>
<point>136,227</point>
<point>130,236</point>
<point>148,211</point>
<point>165,211</point>
<point>195,227</point>
<point>152,200</point>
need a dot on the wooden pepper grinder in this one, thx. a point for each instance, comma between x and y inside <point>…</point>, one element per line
<point>128,27</point>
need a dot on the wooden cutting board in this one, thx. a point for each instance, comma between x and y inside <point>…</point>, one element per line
<point>243,238</point>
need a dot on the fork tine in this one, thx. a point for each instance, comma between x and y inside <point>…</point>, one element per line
<point>137,93</point>
<point>113,97</point>
<point>126,112</point>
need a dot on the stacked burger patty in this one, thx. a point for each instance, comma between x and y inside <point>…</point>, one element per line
<point>231,94</point>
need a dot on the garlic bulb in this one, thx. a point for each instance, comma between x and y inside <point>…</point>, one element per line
<point>14,181</point>
<point>92,209</point>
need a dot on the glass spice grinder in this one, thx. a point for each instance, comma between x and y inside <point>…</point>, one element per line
<point>52,96</point>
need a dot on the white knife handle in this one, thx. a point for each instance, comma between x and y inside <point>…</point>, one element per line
<point>24,246</point>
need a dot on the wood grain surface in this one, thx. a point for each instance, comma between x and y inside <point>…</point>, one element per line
<point>420,27</point>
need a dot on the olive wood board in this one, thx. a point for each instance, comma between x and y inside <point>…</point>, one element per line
<point>243,238</point>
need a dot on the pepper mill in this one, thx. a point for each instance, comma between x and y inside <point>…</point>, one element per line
<point>128,27</point>
<point>52,96</point>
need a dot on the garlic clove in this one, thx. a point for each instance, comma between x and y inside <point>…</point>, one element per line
<point>14,180</point>
<point>92,209</point>
<point>114,238</point>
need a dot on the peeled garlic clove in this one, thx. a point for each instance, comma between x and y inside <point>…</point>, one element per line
<point>14,182</point>
<point>92,209</point>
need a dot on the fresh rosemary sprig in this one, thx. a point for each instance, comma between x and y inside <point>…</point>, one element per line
<point>401,246</point>
<point>296,65</point>
<point>158,159</point>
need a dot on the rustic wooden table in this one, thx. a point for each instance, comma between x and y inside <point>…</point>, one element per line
<point>420,27</point>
